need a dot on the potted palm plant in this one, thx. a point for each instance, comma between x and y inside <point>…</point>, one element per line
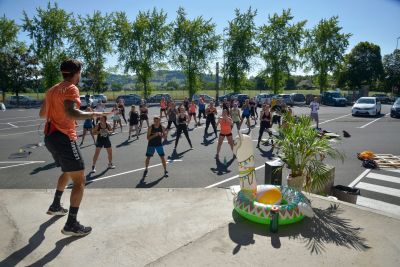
<point>303,151</point>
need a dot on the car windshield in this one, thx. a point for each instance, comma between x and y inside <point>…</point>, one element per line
<point>366,101</point>
<point>337,95</point>
<point>299,98</point>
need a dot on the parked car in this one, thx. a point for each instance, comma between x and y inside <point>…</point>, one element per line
<point>206,98</point>
<point>228,96</point>
<point>131,99</point>
<point>84,102</point>
<point>384,99</point>
<point>309,98</point>
<point>333,98</point>
<point>298,99</point>
<point>286,98</point>
<point>263,98</point>
<point>366,106</point>
<point>23,101</point>
<point>157,98</point>
<point>241,98</point>
<point>100,97</point>
<point>395,110</point>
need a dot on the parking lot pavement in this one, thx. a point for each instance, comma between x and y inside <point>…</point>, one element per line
<point>380,190</point>
<point>187,168</point>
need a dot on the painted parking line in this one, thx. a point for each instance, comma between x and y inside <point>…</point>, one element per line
<point>382,177</point>
<point>379,189</point>
<point>12,125</point>
<point>21,164</point>
<point>323,122</point>
<point>231,178</point>
<point>2,119</point>
<point>378,205</point>
<point>369,123</point>
<point>362,175</point>
<point>20,121</point>
<point>127,172</point>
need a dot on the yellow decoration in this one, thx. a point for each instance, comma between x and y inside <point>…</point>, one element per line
<point>272,196</point>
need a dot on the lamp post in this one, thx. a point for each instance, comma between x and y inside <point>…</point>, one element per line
<point>397,42</point>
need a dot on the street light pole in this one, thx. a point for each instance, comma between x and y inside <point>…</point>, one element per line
<point>397,43</point>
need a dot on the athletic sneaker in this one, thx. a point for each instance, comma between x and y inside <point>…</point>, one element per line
<point>165,173</point>
<point>191,148</point>
<point>93,169</point>
<point>145,173</point>
<point>111,166</point>
<point>76,229</point>
<point>57,211</point>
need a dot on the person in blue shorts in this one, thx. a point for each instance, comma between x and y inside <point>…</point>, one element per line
<point>245,114</point>
<point>155,135</point>
<point>88,127</point>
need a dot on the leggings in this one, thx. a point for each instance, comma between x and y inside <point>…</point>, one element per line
<point>182,128</point>
<point>169,124</point>
<point>202,112</point>
<point>123,114</point>
<point>265,125</point>
<point>212,121</point>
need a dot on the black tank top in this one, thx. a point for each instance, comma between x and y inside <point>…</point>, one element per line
<point>157,140</point>
<point>182,120</point>
<point>266,117</point>
<point>134,117</point>
<point>211,114</point>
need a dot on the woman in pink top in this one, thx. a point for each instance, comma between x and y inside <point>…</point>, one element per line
<point>226,131</point>
<point>192,112</point>
<point>163,107</point>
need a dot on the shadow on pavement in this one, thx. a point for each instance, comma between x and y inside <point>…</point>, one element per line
<point>143,184</point>
<point>43,168</point>
<point>326,227</point>
<point>33,243</point>
<point>207,142</point>
<point>267,153</point>
<point>222,167</point>
<point>175,155</point>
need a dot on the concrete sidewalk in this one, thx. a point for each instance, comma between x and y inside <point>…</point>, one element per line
<point>188,227</point>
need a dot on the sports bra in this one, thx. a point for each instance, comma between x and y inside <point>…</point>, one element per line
<point>225,126</point>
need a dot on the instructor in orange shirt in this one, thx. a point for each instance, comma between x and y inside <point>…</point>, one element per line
<point>61,109</point>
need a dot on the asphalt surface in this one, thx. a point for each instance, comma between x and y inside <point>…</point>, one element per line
<point>24,163</point>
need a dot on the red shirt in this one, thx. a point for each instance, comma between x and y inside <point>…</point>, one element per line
<point>55,112</point>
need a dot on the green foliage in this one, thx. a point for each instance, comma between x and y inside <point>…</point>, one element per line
<point>324,49</point>
<point>303,151</point>
<point>90,38</point>
<point>239,47</point>
<point>194,42</point>
<point>290,84</point>
<point>364,64</point>
<point>391,65</point>
<point>279,45</point>
<point>8,33</point>
<point>142,44</point>
<point>48,30</point>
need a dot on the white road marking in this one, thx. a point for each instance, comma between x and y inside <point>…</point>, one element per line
<point>127,172</point>
<point>231,178</point>
<point>379,189</point>
<point>378,205</point>
<point>26,163</point>
<point>25,126</point>
<point>359,177</point>
<point>12,125</point>
<point>365,125</point>
<point>19,121</point>
<point>334,119</point>
<point>22,161</point>
<point>393,170</point>
<point>382,177</point>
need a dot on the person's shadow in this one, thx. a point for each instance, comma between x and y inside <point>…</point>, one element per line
<point>267,153</point>
<point>34,242</point>
<point>175,155</point>
<point>327,226</point>
<point>126,142</point>
<point>207,142</point>
<point>143,184</point>
<point>43,168</point>
<point>222,167</point>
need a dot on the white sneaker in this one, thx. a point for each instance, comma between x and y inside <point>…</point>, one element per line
<point>93,169</point>
<point>111,166</point>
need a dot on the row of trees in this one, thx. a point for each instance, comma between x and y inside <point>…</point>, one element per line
<point>149,43</point>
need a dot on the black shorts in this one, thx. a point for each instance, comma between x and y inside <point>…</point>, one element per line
<point>163,109</point>
<point>230,134</point>
<point>276,119</point>
<point>65,152</point>
<point>87,129</point>
<point>144,117</point>
<point>103,142</point>
<point>132,123</point>
<point>192,114</point>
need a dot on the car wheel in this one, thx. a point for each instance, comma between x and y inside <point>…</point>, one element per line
<point>391,115</point>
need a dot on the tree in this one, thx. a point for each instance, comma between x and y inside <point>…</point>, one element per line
<point>142,44</point>
<point>290,84</point>
<point>90,38</point>
<point>391,65</point>
<point>194,42</point>
<point>364,64</point>
<point>239,47</point>
<point>279,45</point>
<point>324,49</point>
<point>48,31</point>
<point>8,39</point>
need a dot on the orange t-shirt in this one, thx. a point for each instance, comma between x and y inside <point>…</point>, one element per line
<point>225,126</point>
<point>55,112</point>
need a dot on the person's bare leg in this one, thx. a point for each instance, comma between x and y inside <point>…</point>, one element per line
<point>91,133</point>
<point>78,178</point>
<point>83,135</point>
<point>164,163</point>
<point>96,155</point>
<point>147,161</point>
<point>147,122</point>
<point>109,153</point>
<point>62,181</point>
<point>220,140</point>
<point>230,141</point>
<point>120,124</point>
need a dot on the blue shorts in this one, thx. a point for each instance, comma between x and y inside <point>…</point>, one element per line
<point>245,116</point>
<point>151,149</point>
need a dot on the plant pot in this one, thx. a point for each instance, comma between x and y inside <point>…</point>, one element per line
<point>296,182</point>
<point>327,189</point>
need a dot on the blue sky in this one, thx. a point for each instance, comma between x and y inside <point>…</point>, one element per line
<point>376,21</point>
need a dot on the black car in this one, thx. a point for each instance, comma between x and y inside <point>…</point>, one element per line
<point>333,99</point>
<point>228,96</point>
<point>157,98</point>
<point>395,110</point>
<point>384,99</point>
<point>129,100</point>
<point>241,99</point>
